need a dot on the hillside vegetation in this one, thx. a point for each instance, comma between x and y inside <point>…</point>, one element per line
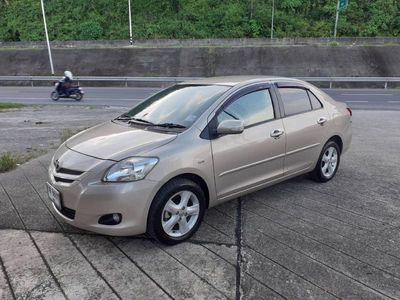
<point>21,20</point>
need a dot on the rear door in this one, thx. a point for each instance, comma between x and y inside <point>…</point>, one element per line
<point>304,122</point>
<point>252,158</point>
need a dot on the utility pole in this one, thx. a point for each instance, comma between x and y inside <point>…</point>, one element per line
<point>130,23</point>
<point>272,19</point>
<point>336,20</point>
<point>47,39</point>
<point>341,5</point>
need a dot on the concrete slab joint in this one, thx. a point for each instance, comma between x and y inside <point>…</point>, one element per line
<point>295,240</point>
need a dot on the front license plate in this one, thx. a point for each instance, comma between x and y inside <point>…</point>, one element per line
<point>54,195</point>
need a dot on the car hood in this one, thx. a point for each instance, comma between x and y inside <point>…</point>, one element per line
<point>114,141</point>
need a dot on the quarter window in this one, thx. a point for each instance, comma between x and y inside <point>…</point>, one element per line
<point>315,103</point>
<point>252,108</point>
<point>295,100</point>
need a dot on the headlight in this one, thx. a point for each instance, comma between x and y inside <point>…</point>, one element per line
<point>130,169</point>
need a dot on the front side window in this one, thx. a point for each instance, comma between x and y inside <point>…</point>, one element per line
<point>252,108</point>
<point>295,100</point>
<point>179,104</point>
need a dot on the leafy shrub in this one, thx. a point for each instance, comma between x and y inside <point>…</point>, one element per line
<point>90,30</point>
<point>108,19</point>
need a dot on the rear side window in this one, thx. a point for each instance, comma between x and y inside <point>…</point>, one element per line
<point>295,100</point>
<point>252,108</point>
<point>315,103</point>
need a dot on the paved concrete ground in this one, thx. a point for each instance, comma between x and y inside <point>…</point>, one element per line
<point>296,240</point>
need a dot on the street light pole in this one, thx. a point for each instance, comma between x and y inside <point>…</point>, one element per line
<point>337,19</point>
<point>47,39</point>
<point>130,23</point>
<point>272,19</point>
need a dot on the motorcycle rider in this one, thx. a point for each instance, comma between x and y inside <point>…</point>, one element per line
<point>65,82</point>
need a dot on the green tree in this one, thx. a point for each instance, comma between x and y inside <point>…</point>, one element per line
<point>108,19</point>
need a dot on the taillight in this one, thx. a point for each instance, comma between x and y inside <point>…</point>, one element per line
<point>350,111</point>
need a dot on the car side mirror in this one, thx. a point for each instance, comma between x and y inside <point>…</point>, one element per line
<point>230,127</point>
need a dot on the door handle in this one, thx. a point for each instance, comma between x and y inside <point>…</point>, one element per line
<point>276,133</point>
<point>322,120</point>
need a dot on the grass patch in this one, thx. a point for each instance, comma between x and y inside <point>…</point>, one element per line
<point>333,44</point>
<point>9,161</point>
<point>9,105</point>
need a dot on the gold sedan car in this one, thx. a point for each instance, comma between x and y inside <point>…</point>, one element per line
<point>158,167</point>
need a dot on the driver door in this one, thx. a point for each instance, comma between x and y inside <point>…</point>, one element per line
<point>254,157</point>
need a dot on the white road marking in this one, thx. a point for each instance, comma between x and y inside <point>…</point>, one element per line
<point>94,99</point>
<point>370,94</point>
<point>108,99</point>
<point>16,98</point>
<point>398,101</point>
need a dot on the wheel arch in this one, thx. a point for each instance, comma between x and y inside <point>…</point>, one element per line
<point>197,179</point>
<point>338,140</point>
<point>151,228</point>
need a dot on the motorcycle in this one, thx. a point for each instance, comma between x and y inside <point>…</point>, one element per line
<point>74,92</point>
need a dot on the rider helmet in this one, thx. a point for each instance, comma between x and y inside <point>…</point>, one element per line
<point>68,74</point>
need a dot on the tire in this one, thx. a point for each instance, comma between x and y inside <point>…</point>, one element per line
<point>328,163</point>
<point>54,95</point>
<point>169,211</point>
<point>78,96</point>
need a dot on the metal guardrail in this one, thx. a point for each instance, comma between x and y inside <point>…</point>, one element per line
<point>32,79</point>
<point>383,80</point>
<point>331,80</point>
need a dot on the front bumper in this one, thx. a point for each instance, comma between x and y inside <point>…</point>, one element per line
<point>87,198</point>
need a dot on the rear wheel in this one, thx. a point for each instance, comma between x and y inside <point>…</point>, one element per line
<point>176,211</point>
<point>54,95</point>
<point>78,96</point>
<point>328,163</point>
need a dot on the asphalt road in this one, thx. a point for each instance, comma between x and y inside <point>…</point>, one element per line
<point>368,99</point>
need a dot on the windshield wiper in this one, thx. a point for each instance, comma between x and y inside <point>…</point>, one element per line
<point>130,119</point>
<point>138,120</point>
<point>170,125</point>
<point>124,117</point>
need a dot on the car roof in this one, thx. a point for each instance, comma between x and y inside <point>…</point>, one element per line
<point>243,80</point>
<point>236,80</point>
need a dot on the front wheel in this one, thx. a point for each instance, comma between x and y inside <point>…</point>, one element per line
<point>328,163</point>
<point>176,211</point>
<point>54,95</point>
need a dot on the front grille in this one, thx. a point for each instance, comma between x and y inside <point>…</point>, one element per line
<point>69,171</point>
<point>65,175</point>
<point>59,179</point>
<point>68,212</point>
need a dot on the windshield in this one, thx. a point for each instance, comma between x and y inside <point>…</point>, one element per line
<point>180,105</point>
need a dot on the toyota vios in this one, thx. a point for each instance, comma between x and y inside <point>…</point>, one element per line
<point>158,167</point>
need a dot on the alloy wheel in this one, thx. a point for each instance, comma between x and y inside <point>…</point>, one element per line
<point>180,214</point>
<point>329,162</point>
